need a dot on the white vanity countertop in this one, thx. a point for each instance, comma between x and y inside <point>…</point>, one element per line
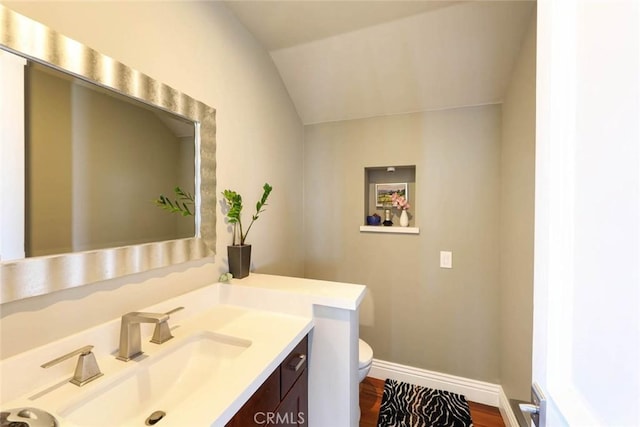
<point>272,312</point>
<point>332,294</point>
<point>272,336</point>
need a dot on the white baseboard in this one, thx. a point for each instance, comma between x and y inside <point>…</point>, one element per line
<point>473,390</point>
<point>506,411</point>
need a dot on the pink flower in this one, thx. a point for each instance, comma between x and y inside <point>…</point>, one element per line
<point>399,202</point>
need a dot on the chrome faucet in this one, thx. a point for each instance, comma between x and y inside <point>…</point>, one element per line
<point>87,368</point>
<point>130,340</point>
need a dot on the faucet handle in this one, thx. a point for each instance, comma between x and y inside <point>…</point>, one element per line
<point>174,310</point>
<point>162,333</point>
<point>86,369</point>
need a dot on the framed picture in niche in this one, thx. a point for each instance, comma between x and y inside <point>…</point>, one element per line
<point>385,190</point>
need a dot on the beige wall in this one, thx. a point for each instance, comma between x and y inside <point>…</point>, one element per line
<point>416,313</point>
<point>124,156</point>
<point>49,153</point>
<point>200,49</point>
<point>517,164</point>
<point>96,163</point>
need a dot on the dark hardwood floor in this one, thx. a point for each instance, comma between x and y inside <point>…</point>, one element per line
<point>371,398</point>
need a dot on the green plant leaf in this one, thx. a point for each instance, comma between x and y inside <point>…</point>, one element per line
<point>177,206</point>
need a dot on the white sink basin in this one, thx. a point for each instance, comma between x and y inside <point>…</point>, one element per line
<point>158,383</point>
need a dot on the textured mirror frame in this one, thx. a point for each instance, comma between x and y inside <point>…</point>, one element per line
<point>41,275</point>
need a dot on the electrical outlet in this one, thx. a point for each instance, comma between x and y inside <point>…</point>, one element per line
<point>446,259</point>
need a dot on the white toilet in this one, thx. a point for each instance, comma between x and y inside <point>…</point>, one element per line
<point>365,357</point>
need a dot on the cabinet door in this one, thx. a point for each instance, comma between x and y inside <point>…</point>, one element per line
<point>293,410</point>
<point>260,405</point>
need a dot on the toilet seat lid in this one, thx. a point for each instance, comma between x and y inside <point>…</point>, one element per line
<point>365,354</point>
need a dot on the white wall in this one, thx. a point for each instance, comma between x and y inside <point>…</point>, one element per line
<point>198,48</point>
<point>457,55</point>
<point>11,157</point>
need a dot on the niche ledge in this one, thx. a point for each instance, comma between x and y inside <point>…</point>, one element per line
<point>392,230</point>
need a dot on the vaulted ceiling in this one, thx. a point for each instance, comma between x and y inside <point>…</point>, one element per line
<point>344,60</point>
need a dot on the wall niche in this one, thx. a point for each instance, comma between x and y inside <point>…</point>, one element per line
<point>379,182</point>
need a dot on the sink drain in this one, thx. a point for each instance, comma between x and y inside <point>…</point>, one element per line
<point>155,418</point>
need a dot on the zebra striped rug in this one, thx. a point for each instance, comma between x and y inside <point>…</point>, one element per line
<point>408,405</point>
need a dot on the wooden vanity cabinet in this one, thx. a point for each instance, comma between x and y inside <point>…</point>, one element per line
<point>282,400</point>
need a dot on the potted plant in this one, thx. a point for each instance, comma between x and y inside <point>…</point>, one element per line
<point>239,252</point>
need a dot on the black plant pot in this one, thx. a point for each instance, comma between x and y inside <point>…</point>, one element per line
<point>239,260</point>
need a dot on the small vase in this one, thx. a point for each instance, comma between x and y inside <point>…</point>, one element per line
<point>239,260</point>
<point>404,219</point>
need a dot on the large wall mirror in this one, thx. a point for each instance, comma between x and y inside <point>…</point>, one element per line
<point>88,144</point>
